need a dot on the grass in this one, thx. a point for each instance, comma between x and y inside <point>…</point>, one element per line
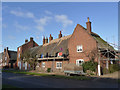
<point>48,75</point>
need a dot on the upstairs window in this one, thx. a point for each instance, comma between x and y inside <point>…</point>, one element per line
<point>79,48</point>
<point>5,58</point>
<point>58,65</point>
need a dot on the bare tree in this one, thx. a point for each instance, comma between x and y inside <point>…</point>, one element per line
<point>29,58</point>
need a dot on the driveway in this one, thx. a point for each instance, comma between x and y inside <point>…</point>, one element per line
<point>29,81</point>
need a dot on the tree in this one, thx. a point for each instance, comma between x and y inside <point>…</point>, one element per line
<point>92,55</point>
<point>29,58</point>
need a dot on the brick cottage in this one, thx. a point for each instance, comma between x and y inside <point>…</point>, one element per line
<point>74,48</point>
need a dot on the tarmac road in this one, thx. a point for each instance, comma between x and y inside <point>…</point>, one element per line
<point>29,81</point>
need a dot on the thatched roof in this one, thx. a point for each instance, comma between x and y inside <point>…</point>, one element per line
<point>102,44</point>
<point>54,46</point>
<point>61,45</point>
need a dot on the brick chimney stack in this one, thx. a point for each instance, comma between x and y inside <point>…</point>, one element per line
<point>50,38</point>
<point>43,40</point>
<point>26,40</point>
<point>60,35</point>
<point>7,48</point>
<point>88,26</point>
<point>31,38</point>
<point>4,49</point>
<point>46,40</point>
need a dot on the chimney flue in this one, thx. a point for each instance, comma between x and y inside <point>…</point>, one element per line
<point>50,38</point>
<point>88,26</point>
<point>7,48</point>
<point>43,40</point>
<point>46,40</point>
<point>26,40</point>
<point>60,35</point>
<point>31,38</point>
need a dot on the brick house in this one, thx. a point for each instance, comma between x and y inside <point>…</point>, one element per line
<point>21,49</point>
<point>9,58</point>
<point>73,48</point>
<point>1,59</point>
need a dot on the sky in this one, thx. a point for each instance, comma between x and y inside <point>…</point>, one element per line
<point>22,20</point>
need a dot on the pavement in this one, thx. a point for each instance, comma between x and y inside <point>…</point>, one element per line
<point>30,81</point>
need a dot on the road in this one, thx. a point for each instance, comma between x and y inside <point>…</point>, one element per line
<point>29,81</point>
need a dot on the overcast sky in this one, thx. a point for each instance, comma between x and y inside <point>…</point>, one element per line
<point>21,21</point>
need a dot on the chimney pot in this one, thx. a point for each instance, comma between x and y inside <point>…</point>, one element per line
<point>60,35</point>
<point>46,40</point>
<point>50,38</point>
<point>43,40</point>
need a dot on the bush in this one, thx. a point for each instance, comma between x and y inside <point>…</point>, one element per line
<point>105,71</point>
<point>113,68</point>
<point>48,69</point>
<point>89,66</point>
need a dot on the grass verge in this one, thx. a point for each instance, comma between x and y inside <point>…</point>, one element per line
<point>48,75</point>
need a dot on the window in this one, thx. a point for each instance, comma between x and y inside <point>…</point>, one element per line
<point>19,55</point>
<point>19,48</point>
<point>79,48</point>
<point>59,65</point>
<point>43,64</point>
<point>79,62</point>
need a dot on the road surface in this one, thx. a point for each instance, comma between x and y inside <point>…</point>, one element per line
<point>29,81</point>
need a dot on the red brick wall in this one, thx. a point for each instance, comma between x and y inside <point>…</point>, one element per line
<point>80,37</point>
<point>25,47</point>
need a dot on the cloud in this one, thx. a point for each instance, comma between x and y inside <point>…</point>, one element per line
<point>42,22</point>
<point>48,12</point>
<point>20,27</point>
<point>23,14</point>
<point>63,19</point>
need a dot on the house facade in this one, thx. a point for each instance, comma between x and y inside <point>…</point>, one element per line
<point>77,48</point>
<point>9,58</point>
<point>21,49</point>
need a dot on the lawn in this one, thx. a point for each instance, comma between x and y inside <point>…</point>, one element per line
<point>48,75</point>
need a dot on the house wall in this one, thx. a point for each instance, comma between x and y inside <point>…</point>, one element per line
<point>5,55</point>
<point>23,48</point>
<point>80,37</point>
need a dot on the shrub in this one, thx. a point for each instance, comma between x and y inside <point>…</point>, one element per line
<point>105,71</point>
<point>90,65</point>
<point>48,69</point>
<point>113,68</point>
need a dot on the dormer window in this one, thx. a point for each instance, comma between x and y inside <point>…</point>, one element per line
<point>79,48</point>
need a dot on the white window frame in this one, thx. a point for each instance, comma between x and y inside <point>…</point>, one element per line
<point>18,55</point>
<point>79,47</point>
<point>59,67</point>
<point>78,60</point>
<point>43,64</point>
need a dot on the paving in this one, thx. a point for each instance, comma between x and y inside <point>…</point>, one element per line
<point>29,81</point>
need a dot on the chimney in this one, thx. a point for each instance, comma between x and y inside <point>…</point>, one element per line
<point>46,40</point>
<point>4,49</point>
<point>26,40</point>
<point>7,49</point>
<point>88,26</point>
<point>43,40</point>
<point>31,38</point>
<point>50,38</point>
<point>60,35</point>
